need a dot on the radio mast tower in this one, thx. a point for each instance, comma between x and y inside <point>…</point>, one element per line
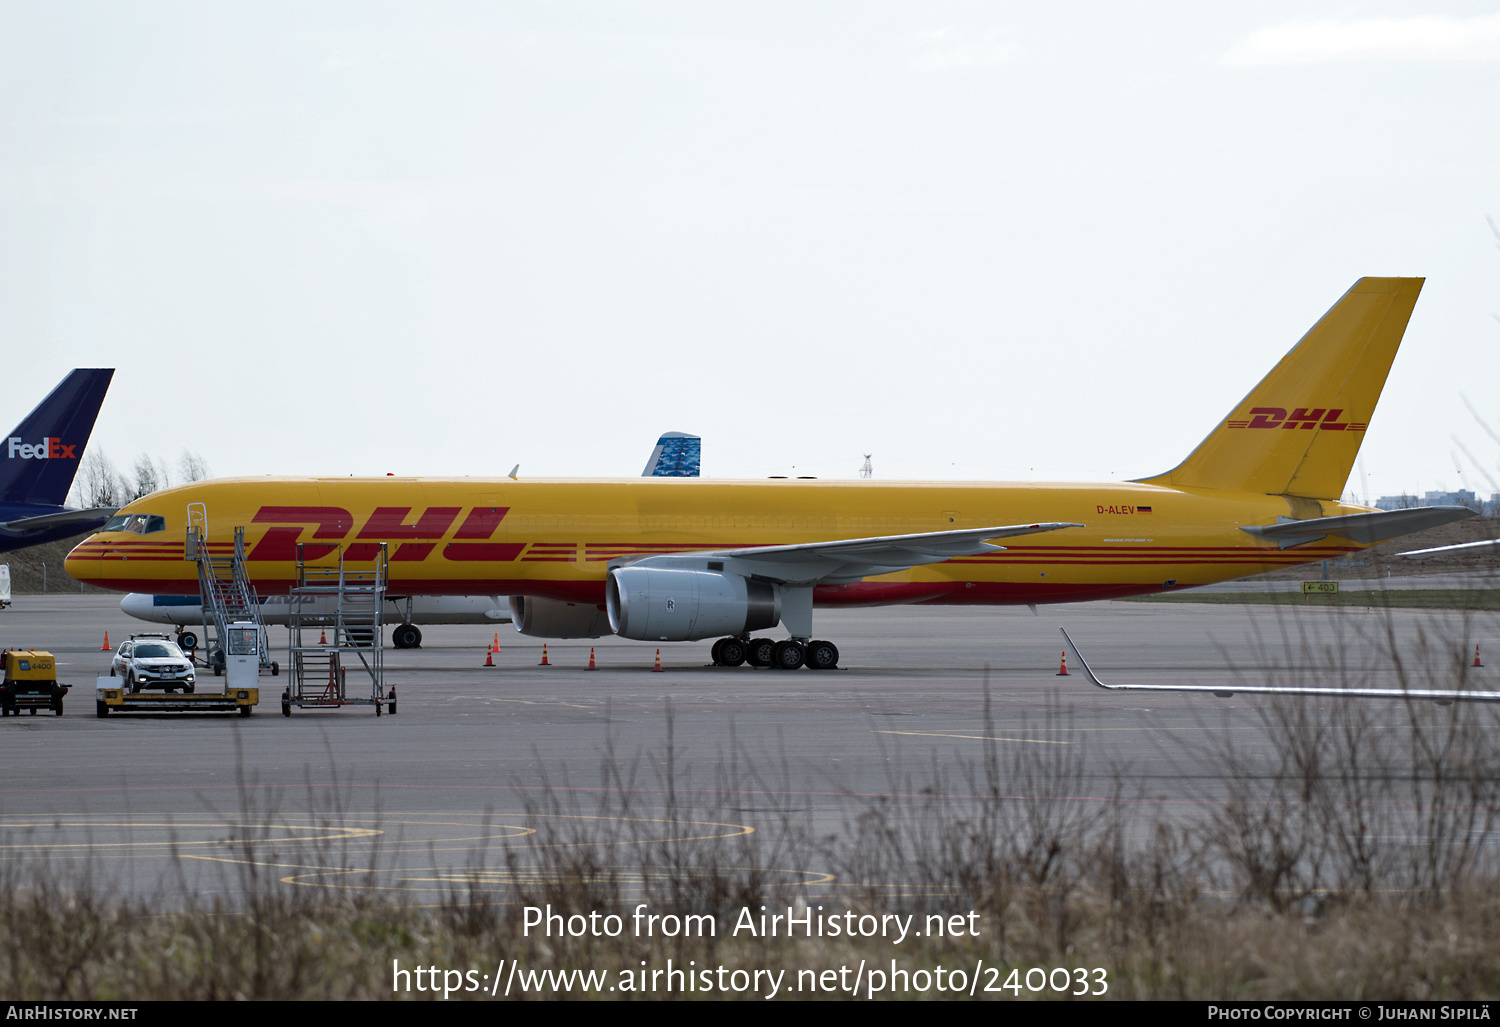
<point>867,471</point>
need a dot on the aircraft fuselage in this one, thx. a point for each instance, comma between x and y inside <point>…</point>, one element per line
<point>555,539</point>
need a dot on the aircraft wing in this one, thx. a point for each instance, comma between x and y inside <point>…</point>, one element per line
<point>1441,696</point>
<point>845,560</point>
<point>1477,546</point>
<point>53,520</point>
<point>1364,528</point>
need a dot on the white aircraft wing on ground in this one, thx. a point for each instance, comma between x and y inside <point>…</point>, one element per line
<point>1441,696</point>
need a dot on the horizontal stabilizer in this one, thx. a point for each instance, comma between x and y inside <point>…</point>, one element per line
<point>1364,528</point>
<point>1441,696</point>
<point>55,520</point>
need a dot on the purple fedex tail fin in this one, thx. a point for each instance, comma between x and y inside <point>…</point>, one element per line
<point>39,457</point>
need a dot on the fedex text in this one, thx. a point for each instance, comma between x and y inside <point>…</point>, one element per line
<point>48,449</point>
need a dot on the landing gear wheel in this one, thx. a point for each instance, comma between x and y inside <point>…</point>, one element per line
<point>822,656</point>
<point>788,655</point>
<point>714,653</point>
<point>187,640</point>
<point>406,636</point>
<point>761,652</point>
<point>732,652</point>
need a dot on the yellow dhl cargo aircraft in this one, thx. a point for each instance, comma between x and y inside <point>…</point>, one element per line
<point>683,559</point>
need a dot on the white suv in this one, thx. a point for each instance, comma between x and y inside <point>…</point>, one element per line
<point>152,661</point>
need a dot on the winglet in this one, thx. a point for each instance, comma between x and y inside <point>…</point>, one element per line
<point>1087,670</point>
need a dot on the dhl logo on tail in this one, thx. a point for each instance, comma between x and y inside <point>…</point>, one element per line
<point>1276,417</point>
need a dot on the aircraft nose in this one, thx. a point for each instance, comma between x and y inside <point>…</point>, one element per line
<point>136,604</point>
<point>84,563</point>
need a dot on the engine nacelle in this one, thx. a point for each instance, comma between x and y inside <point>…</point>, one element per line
<point>549,618</point>
<point>655,603</point>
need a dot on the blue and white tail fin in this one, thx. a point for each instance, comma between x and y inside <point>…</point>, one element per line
<point>40,455</point>
<point>677,455</point>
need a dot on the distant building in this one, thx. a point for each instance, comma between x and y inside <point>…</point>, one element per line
<point>1463,497</point>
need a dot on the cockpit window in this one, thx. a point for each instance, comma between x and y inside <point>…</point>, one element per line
<point>140,523</point>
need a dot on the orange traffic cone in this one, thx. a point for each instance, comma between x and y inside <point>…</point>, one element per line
<point>489,657</point>
<point>657,669</point>
<point>323,638</point>
<point>544,662</point>
<point>106,646</point>
<point>591,665</point>
<point>495,645</point>
<point>1063,670</point>
<point>1476,657</point>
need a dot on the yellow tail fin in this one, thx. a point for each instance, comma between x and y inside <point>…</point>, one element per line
<point>1297,432</point>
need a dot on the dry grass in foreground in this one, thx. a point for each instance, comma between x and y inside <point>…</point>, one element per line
<point>1345,851</point>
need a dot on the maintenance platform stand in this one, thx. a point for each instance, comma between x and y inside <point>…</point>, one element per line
<point>319,669</point>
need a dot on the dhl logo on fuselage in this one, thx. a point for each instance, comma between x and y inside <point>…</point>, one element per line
<point>1310,418</point>
<point>387,524</point>
<point>48,449</point>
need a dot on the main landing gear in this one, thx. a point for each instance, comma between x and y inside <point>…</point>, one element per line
<point>786,655</point>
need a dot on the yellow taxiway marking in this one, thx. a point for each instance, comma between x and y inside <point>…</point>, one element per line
<point>284,866</point>
<point>531,702</point>
<point>624,875</point>
<point>977,738</point>
<point>330,835</point>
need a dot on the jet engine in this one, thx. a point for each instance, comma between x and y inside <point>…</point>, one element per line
<point>680,604</point>
<point>550,618</point>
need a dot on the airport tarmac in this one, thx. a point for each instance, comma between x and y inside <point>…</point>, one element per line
<point>479,757</point>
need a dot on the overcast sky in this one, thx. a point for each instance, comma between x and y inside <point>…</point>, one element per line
<point>977,240</point>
